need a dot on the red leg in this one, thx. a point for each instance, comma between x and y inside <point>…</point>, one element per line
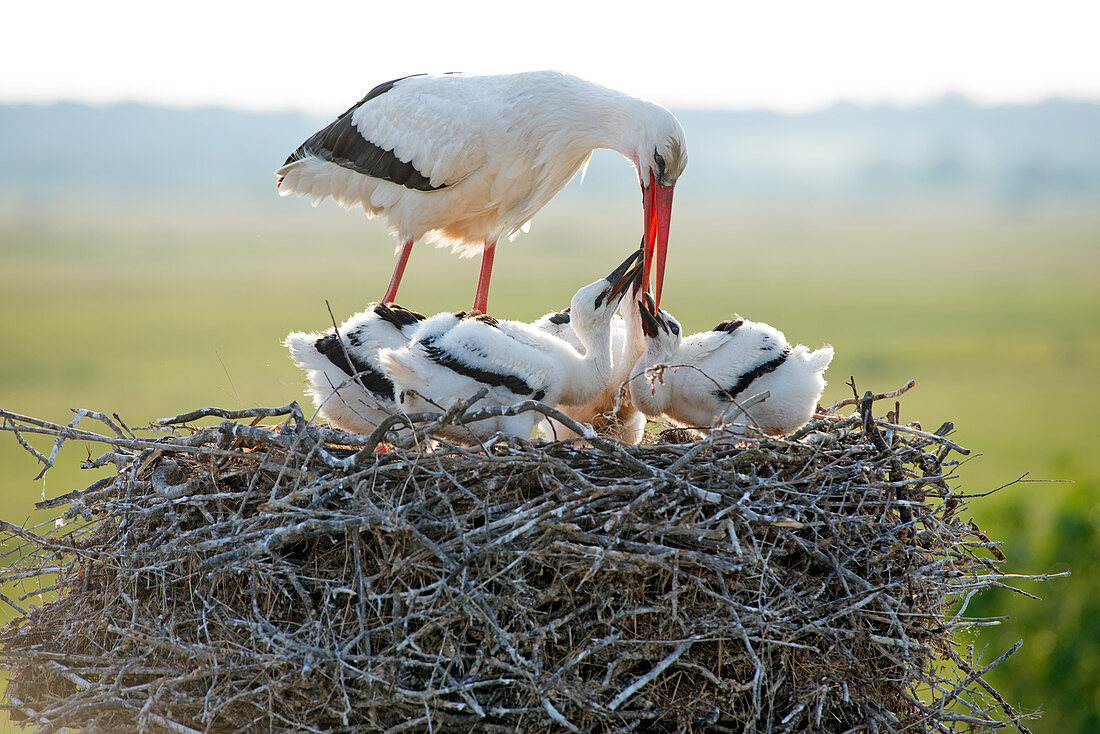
<point>398,271</point>
<point>481,298</point>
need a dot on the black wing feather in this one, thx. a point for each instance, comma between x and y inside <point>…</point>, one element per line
<point>343,144</point>
<point>512,383</point>
<point>561,317</point>
<point>746,379</point>
<point>729,326</point>
<point>369,378</point>
<point>399,316</point>
<point>483,318</point>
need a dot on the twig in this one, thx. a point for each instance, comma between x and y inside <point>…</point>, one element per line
<point>645,679</point>
<point>923,434</point>
<point>874,397</point>
<point>290,408</point>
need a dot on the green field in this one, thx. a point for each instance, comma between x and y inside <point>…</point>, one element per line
<point>996,314</point>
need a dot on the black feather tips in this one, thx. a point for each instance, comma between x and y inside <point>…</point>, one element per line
<point>399,316</point>
<point>370,379</point>
<point>561,317</point>
<point>730,326</point>
<point>342,143</point>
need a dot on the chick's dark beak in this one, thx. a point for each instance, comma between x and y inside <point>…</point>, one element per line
<point>642,282</point>
<point>628,274</point>
<point>650,324</point>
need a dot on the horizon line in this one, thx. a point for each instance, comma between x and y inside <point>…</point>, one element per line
<point>930,101</point>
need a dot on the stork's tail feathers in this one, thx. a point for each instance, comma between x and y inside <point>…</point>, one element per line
<point>290,179</point>
<point>820,359</point>
<point>814,362</point>
<point>400,365</point>
<point>319,179</point>
<point>303,350</point>
<point>282,172</point>
<point>324,378</point>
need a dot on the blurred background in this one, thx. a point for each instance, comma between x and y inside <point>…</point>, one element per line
<point>918,188</point>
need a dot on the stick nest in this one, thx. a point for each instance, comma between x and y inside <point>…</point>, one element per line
<point>249,576</point>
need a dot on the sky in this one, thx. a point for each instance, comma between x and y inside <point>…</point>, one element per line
<point>321,57</point>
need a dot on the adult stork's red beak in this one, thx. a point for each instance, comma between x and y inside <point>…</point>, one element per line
<point>657,213</point>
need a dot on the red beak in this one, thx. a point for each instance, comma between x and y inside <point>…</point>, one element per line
<point>657,213</point>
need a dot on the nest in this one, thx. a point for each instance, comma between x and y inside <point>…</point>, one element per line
<point>250,576</point>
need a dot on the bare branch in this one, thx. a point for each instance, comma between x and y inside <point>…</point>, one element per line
<point>874,397</point>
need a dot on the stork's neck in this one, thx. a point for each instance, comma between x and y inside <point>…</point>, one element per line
<point>633,343</point>
<point>651,394</point>
<point>605,118</point>
<point>621,126</point>
<point>589,375</point>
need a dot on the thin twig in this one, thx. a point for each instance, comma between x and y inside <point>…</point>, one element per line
<point>874,397</point>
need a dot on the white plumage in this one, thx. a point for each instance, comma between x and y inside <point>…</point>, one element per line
<point>466,160</point>
<point>345,379</point>
<point>452,358</point>
<point>705,373</point>
<point>611,412</point>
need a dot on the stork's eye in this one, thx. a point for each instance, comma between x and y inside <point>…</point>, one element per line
<point>660,161</point>
<point>674,327</point>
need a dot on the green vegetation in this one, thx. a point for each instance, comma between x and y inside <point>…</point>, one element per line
<point>995,314</point>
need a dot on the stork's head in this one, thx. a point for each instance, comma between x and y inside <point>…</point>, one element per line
<point>663,333</point>
<point>661,157</point>
<point>595,304</point>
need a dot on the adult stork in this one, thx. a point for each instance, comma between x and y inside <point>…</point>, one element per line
<point>466,160</point>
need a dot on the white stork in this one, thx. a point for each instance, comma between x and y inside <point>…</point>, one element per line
<point>466,160</point>
<point>708,371</point>
<point>345,380</point>
<point>453,356</point>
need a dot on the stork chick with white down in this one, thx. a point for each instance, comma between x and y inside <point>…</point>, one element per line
<point>611,412</point>
<point>346,381</point>
<point>466,160</point>
<point>454,356</point>
<point>696,380</point>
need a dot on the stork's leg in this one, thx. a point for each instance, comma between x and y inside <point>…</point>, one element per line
<point>398,271</point>
<point>481,298</point>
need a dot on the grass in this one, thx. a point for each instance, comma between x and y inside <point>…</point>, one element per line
<point>995,314</point>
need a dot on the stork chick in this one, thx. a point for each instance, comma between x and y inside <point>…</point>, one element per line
<point>345,380</point>
<point>701,376</point>
<point>447,360</point>
<point>611,412</point>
